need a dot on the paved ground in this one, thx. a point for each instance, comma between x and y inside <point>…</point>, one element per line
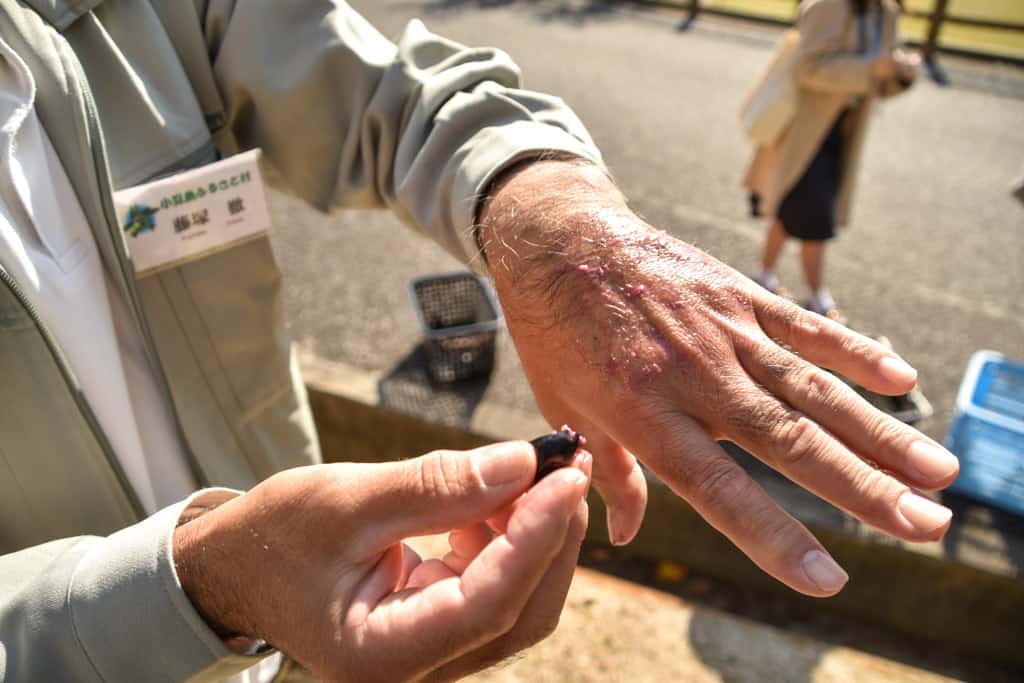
<point>616,631</point>
<point>934,260</point>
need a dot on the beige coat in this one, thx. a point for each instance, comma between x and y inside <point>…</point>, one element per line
<point>828,71</point>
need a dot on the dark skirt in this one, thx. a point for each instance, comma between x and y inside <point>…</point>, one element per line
<point>808,212</point>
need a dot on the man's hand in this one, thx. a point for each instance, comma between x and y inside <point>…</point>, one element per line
<point>649,346</point>
<point>312,561</point>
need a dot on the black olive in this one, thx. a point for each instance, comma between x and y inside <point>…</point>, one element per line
<point>554,451</point>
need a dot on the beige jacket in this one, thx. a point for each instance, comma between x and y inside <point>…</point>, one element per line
<point>130,90</point>
<point>828,71</point>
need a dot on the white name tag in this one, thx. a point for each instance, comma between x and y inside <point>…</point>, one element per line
<point>193,214</point>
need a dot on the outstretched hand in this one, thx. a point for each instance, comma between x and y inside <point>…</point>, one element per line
<point>651,347</point>
<point>312,561</point>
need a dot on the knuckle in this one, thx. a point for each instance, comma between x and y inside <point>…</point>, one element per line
<point>807,325</point>
<point>773,530</point>
<point>878,493</point>
<point>781,532</point>
<point>744,415</point>
<point>614,469</point>
<point>887,435</point>
<point>796,323</point>
<point>444,474</point>
<point>815,386</point>
<point>716,484</point>
<point>797,440</point>
<point>779,370</point>
<point>858,346</point>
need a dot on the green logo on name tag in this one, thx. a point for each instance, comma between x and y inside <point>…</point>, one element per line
<point>140,219</point>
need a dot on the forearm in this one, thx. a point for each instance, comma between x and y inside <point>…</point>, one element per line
<point>105,609</point>
<point>421,126</point>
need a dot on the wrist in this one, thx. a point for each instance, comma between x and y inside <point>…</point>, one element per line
<point>544,217</point>
<point>210,569</point>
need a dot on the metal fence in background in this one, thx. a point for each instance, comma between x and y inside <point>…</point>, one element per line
<point>935,15</point>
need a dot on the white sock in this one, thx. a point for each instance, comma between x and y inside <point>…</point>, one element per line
<point>822,299</point>
<point>767,278</point>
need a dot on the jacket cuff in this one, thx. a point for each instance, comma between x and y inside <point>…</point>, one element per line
<point>491,151</point>
<point>131,616</point>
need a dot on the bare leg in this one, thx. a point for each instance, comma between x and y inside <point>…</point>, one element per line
<point>774,241</point>
<point>812,255</point>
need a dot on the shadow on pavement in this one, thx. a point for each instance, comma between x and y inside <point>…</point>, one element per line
<point>768,656</point>
<point>409,389</point>
<point>983,531</point>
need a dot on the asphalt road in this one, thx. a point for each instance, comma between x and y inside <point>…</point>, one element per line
<point>934,259</point>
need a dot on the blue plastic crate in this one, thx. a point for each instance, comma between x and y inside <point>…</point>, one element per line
<point>988,431</point>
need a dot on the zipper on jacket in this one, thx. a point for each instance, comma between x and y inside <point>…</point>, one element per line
<point>83,406</point>
<point>127,271</point>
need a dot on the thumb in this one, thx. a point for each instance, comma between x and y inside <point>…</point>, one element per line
<point>442,490</point>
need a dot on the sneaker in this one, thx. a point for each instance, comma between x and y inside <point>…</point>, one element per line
<point>830,312</point>
<point>771,284</point>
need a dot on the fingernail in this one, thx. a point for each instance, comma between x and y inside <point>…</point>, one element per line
<point>615,533</point>
<point>823,571</point>
<point>923,514</point>
<point>931,462</point>
<point>502,464</point>
<point>895,369</point>
<point>576,478</point>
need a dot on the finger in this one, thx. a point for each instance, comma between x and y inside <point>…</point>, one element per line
<point>410,560</point>
<point>826,343</point>
<point>794,444</point>
<point>622,485</point>
<point>466,544</point>
<point>616,476</point>
<point>440,491</point>
<point>468,541</point>
<point>429,572</point>
<point>384,579</point>
<point>499,521</point>
<point>540,616</point>
<point>867,431</point>
<point>420,630</point>
<point>697,468</point>
<point>582,460</point>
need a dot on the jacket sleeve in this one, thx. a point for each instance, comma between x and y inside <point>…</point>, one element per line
<point>822,62</point>
<point>348,119</point>
<point>106,609</point>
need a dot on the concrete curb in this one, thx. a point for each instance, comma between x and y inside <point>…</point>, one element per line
<point>967,607</point>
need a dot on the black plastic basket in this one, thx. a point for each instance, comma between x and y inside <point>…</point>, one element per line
<point>459,319</point>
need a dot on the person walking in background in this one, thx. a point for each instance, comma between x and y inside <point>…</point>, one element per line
<point>845,56</point>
